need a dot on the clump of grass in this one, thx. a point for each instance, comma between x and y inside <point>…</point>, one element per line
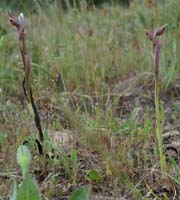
<point>155,38</point>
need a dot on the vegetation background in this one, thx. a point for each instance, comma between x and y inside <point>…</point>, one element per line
<point>93,83</point>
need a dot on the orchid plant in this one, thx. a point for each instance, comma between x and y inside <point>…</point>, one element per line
<point>155,38</point>
<point>19,25</point>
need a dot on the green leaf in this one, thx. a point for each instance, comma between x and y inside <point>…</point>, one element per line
<point>81,194</point>
<point>23,158</point>
<point>14,190</point>
<point>73,156</point>
<point>94,175</point>
<point>28,190</point>
<point>74,161</point>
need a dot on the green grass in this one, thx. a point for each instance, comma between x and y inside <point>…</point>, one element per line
<point>78,58</point>
<point>84,46</point>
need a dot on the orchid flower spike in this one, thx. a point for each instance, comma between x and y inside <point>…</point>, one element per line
<point>151,35</point>
<point>18,23</point>
<point>155,37</point>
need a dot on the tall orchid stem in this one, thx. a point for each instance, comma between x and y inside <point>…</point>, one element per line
<point>158,128</point>
<point>19,25</point>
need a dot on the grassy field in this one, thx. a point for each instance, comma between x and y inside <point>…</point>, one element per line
<point>93,84</point>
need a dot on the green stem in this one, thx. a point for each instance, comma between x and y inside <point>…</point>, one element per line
<point>158,127</point>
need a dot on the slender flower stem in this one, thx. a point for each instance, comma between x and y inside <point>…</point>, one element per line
<point>158,127</point>
<point>19,24</point>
